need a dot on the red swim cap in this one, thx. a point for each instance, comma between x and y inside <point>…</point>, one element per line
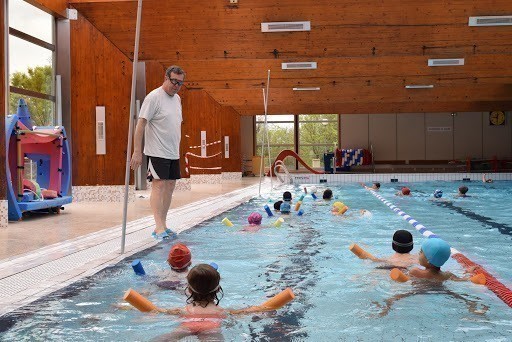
<point>179,256</point>
<point>406,191</point>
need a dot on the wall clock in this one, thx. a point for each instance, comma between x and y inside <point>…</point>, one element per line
<point>497,118</point>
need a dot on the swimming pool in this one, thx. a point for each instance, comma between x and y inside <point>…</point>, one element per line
<point>338,296</point>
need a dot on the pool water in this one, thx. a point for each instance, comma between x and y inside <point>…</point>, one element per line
<point>338,296</point>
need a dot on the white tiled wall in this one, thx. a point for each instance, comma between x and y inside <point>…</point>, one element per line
<point>206,179</point>
<point>4,215</point>
<point>231,176</point>
<point>401,177</point>
<point>102,193</point>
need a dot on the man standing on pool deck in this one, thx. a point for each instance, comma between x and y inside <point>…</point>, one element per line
<point>160,121</point>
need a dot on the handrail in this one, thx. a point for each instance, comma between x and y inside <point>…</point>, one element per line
<point>279,164</point>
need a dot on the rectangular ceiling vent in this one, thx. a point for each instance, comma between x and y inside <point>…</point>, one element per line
<point>306,89</point>
<point>446,62</point>
<point>491,20</point>
<point>286,26</point>
<point>419,86</point>
<point>298,65</point>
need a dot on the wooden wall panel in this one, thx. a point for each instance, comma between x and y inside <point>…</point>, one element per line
<point>155,73</point>
<point>3,100</point>
<point>438,143</point>
<point>101,76</point>
<point>201,113</point>
<point>467,135</point>
<point>410,137</point>
<point>231,127</point>
<point>382,135</point>
<point>56,7</point>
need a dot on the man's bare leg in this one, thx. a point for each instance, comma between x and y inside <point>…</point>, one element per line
<point>157,202</point>
<point>167,197</point>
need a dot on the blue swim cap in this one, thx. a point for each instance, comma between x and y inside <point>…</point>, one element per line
<point>438,193</point>
<point>285,207</point>
<point>436,250</point>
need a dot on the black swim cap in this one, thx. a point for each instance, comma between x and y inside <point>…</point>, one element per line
<point>277,205</point>
<point>287,196</point>
<point>402,241</point>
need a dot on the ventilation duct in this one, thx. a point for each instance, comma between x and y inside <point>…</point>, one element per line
<point>298,65</point>
<point>446,62</point>
<point>286,26</point>
<point>491,20</point>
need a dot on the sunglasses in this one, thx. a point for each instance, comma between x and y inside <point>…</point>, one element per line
<point>175,81</point>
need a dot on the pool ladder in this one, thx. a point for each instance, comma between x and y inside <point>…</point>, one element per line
<point>287,179</point>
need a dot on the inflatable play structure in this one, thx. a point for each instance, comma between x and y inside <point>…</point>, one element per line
<point>48,149</point>
<point>289,153</point>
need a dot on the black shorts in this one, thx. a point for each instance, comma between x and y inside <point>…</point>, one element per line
<point>161,168</point>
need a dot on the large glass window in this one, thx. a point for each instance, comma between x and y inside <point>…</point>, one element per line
<point>281,136</point>
<point>31,55</point>
<point>318,134</point>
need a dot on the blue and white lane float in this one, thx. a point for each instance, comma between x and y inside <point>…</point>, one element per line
<point>503,292</point>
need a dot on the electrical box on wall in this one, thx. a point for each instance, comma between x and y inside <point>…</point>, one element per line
<point>101,142</point>
<point>71,13</point>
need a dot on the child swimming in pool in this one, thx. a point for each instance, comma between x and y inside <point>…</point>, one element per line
<point>179,260</point>
<point>254,223</point>
<point>402,244</point>
<point>433,254</point>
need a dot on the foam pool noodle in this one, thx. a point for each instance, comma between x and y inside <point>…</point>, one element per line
<point>267,209</point>
<point>398,276</point>
<point>478,279</point>
<point>301,212</point>
<point>227,222</point>
<point>279,300</point>
<point>361,253</point>
<point>278,222</point>
<point>313,195</point>
<point>297,205</point>
<point>138,301</point>
<point>137,267</point>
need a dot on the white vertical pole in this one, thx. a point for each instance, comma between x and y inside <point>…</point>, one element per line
<point>265,134</point>
<point>58,99</point>
<point>130,123</point>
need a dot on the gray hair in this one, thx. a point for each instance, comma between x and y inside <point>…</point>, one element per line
<point>175,69</point>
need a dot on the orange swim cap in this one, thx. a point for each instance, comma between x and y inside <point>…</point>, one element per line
<point>406,191</point>
<point>179,257</point>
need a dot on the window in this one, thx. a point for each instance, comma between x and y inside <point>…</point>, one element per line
<point>31,56</point>
<point>281,136</point>
<point>318,133</point>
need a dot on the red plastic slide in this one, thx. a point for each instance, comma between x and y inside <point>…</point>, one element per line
<point>289,153</point>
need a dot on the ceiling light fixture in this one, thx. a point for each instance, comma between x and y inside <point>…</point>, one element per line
<point>307,89</point>
<point>419,86</point>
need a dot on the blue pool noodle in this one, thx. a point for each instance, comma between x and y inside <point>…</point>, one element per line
<point>214,265</point>
<point>267,209</point>
<point>314,196</point>
<point>137,267</point>
<point>301,212</point>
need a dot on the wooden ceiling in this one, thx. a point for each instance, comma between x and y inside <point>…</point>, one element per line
<point>366,50</point>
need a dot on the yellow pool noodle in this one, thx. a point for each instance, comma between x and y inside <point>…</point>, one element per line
<point>278,222</point>
<point>227,222</point>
